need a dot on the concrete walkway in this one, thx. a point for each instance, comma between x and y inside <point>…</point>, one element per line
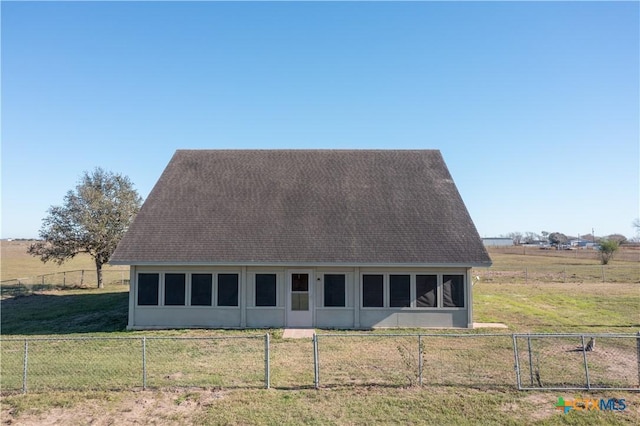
<point>298,333</point>
<point>488,325</point>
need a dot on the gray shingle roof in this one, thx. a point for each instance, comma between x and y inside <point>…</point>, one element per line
<point>304,206</point>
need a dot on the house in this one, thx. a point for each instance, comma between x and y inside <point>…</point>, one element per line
<point>302,238</point>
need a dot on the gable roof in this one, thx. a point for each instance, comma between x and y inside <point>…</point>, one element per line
<point>352,207</point>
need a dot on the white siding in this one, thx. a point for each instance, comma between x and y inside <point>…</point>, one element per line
<point>246,314</point>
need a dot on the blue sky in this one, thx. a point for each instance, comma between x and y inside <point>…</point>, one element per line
<point>535,106</point>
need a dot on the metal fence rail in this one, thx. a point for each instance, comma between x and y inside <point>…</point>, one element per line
<point>528,361</point>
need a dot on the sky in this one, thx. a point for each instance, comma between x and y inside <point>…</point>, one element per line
<point>534,105</point>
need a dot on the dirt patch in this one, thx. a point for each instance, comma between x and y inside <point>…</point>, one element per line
<point>536,406</point>
<point>169,406</point>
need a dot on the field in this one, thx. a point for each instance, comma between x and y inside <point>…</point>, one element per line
<point>571,307</point>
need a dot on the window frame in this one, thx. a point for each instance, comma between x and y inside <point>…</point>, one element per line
<point>188,274</point>
<point>409,298</point>
<point>437,289</point>
<point>346,292</point>
<point>384,290</point>
<point>217,290</point>
<point>463,285</point>
<point>413,296</point>
<point>184,288</point>
<point>213,289</point>
<point>254,303</point>
<point>159,289</point>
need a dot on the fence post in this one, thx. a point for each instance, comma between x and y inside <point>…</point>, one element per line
<point>638,354</point>
<point>420,360</point>
<point>81,277</point>
<point>530,360</point>
<point>24,366</point>
<point>267,367</point>
<point>144,363</point>
<point>586,366</point>
<point>316,368</point>
<point>64,279</point>
<point>517,362</point>
<point>602,273</point>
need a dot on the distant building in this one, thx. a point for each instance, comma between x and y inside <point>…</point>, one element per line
<point>497,242</point>
<point>582,243</point>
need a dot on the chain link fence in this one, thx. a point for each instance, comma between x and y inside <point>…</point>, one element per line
<point>561,274</point>
<point>136,362</point>
<point>591,362</point>
<point>81,278</point>
<point>423,359</point>
<point>531,361</point>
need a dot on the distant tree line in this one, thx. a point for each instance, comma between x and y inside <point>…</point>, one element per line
<point>606,246</point>
<point>558,238</point>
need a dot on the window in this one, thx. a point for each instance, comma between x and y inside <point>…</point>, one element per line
<point>453,291</point>
<point>426,291</point>
<point>265,289</point>
<point>201,285</point>
<point>227,289</point>
<point>148,285</point>
<point>399,291</point>
<point>299,292</point>
<point>372,291</point>
<point>174,287</point>
<point>334,290</point>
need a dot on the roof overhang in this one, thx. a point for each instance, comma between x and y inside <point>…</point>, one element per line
<point>308,264</point>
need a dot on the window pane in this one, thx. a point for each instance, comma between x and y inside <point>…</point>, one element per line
<point>299,301</point>
<point>399,291</point>
<point>453,291</point>
<point>174,289</point>
<point>227,289</point>
<point>148,285</point>
<point>334,290</point>
<point>300,282</point>
<point>265,289</point>
<point>201,289</point>
<point>426,291</point>
<point>372,291</point>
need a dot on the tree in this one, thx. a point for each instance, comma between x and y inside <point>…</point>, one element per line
<point>619,238</point>
<point>92,220</point>
<point>607,249</point>
<point>558,238</point>
<point>531,237</point>
<point>516,237</point>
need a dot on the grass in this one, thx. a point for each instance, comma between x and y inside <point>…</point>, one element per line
<point>560,307</point>
<point>366,380</point>
<point>16,263</point>
<point>374,405</point>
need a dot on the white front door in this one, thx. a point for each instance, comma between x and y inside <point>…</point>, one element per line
<point>299,298</point>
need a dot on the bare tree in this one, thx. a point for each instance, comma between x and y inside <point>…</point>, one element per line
<point>516,237</point>
<point>92,220</point>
